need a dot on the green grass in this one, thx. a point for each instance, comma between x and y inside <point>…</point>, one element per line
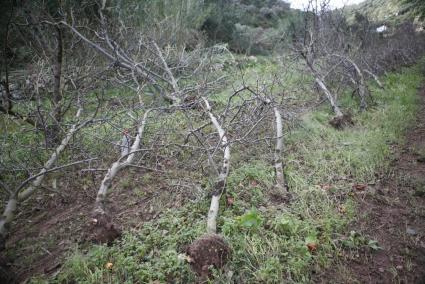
<point>269,241</point>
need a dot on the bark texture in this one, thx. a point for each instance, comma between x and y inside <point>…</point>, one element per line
<point>220,184</point>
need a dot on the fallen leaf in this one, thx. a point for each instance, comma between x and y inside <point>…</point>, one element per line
<point>342,209</point>
<point>109,265</point>
<point>312,247</point>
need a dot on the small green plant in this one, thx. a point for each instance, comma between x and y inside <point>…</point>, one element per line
<point>250,220</point>
<point>356,240</point>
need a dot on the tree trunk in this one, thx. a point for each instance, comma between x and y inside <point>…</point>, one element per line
<point>52,130</point>
<point>329,96</point>
<point>17,195</point>
<point>278,164</point>
<point>322,86</point>
<point>375,78</point>
<point>363,91</point>
<point>49,164</point>
<point>101,198</point>
<point>6,218</point>
<point>220,183</point>
<point>57,76</point>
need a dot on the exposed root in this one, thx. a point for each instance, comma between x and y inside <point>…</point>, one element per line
<point>340,122</point>
<point>277,197</point>
<point>209,251</point>
<point>103,230</point>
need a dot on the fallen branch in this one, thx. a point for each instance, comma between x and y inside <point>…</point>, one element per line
<point>375,78</point>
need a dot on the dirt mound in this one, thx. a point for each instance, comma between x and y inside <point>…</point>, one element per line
<point>339,122</point>
<point>102,230</point>
<point>209,251</point>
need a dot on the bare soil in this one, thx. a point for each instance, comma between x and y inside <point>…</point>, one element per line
<point>393,213</point>
<point>52,224</point>
<point>340,122</point>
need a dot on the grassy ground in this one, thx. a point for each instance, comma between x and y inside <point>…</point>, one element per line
<point>270,240</point>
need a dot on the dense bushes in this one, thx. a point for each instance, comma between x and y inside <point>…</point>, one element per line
<point>251,27</point>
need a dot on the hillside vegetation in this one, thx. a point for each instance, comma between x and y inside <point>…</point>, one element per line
<point>393,12</point>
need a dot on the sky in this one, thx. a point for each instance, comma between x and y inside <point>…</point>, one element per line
<point>300,4</point>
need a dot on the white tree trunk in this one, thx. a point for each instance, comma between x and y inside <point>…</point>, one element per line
<point>213,214</point>
<point>363,91</point>
<point>100,206</point>
<point>221,180</point>
<point>329,96</point>
<point>375,78</point>
<point>49,164</point>
<point>278,164</point>
<point>6,218</point>
<point>17,195</point>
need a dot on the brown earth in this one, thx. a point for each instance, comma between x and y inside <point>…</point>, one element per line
<point>340,122</point>
<point>206,252</point>
<point>393,214</point>
<point>50,225</point>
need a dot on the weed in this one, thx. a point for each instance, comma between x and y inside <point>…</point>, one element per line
<point>356,241</point>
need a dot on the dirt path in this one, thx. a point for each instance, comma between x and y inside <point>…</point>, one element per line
<point>393,213</point>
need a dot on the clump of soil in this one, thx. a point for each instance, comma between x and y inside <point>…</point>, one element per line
<point>209,251</point>
<point>103,230</point>
<point>339,122</point>
<point>278,197</point>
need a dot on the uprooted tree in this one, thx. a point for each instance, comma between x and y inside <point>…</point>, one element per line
<point>149,86</point>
